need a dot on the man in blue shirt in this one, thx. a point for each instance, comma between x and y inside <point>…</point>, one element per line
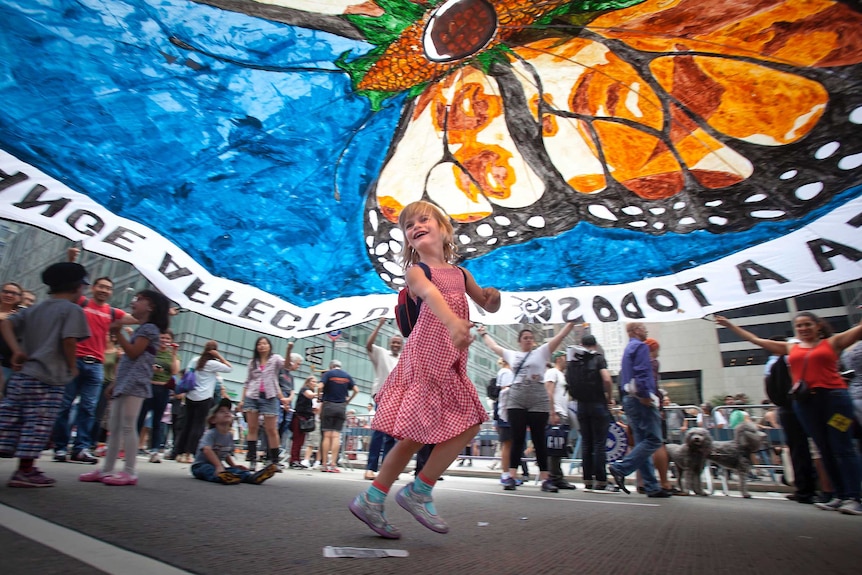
<point>335,385</point>
<point>639,395</point>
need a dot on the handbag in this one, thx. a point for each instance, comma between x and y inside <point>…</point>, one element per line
<point>801,391</point>
<point>306,424</point>
<point>557,440</point>
<point>187,383</point>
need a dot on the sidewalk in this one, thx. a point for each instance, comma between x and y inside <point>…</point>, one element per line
<point>481,467</point>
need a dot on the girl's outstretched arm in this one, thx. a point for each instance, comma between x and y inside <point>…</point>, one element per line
<point>420,286</point>
<point>489,341</point>
<point>487,298</point>
<point>845,339</point>
<point>776,347</point>
<point>557,339</point>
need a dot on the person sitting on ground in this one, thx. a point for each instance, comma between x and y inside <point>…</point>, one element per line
<point>216,449</point>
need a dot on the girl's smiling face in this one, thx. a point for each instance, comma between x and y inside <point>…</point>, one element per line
<point>422,231</point>
<point>166,339</point>
<point>806,328</point>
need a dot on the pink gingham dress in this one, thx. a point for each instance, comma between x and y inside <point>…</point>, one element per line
<point>428,397</point>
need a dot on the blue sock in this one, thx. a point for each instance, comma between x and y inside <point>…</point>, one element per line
<point>423,486</point>
<point>375,494</point>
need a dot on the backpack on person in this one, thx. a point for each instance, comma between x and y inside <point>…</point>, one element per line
<point>493,391</point>
<point>407,308</point>
<point>778,383</point>
<point>583,378</point>
<point>187,383</point>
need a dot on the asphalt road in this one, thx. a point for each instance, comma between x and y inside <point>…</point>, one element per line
<point>172,523</point>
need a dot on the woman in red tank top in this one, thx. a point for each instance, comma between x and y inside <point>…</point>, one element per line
<point>827,412</point>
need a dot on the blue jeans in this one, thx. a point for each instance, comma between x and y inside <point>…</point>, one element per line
<point>206,472</point>
<point>380,445</point>
<point>594,419</point>
<point>88,385</point>
<point>157,404</point>
<point>645,423</point>
<point>836,447</point>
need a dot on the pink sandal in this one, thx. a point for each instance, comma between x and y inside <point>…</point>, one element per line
<point>92,476</point>
<point>121,478</point>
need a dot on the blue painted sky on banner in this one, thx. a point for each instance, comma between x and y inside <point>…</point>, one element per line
<point>261,162</point>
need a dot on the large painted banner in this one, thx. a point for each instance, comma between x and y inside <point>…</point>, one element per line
<point>602,159</point>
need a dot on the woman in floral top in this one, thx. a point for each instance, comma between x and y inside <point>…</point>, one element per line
<point>261,395</point>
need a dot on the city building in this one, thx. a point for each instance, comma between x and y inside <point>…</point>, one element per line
<point>699,360</point>
<point>25,251</point>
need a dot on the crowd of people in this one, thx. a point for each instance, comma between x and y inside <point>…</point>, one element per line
<point>73,362</point>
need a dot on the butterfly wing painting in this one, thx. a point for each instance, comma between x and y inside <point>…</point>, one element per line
<point>601,159</point>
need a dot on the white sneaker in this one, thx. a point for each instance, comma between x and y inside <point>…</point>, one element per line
<point>851,507</point>
<point>306,463</point>
<point>833,505</point>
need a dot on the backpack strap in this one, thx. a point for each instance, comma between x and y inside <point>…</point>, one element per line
<point>427,271</point>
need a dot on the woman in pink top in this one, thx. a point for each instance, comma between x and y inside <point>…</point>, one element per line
<point>261,395</point>
<point>826,412</point>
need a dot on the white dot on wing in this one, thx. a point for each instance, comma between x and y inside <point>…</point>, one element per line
<point>809,191</point>
<point>850,162</point>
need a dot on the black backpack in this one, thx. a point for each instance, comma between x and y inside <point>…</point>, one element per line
<point>407,308</point>
<point>492,390</point>
<point>779,383</point>
<point>583,379</point>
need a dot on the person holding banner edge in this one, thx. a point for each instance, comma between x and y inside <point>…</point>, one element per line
<point>823,402</point>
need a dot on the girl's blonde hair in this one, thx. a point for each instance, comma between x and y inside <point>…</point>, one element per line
<point>409,256</point>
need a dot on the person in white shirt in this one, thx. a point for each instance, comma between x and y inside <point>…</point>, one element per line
<point>711,418</point>
<point>555,383</point>
<point>384,361</point>
<point>199,401</point>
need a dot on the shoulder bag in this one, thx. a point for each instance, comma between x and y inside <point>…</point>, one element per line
<point>801,391</point>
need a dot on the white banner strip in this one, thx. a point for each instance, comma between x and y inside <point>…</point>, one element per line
<point>825,253</point>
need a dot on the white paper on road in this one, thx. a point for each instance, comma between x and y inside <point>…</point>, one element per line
<point>362,552</point>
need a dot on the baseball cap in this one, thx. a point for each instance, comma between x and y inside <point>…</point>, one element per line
<point>223,402</point>
<point>558,354</point>
<point>588,339</point>
<point>64,276</point>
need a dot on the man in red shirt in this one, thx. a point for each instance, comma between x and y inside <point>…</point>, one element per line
<point>88,385</point>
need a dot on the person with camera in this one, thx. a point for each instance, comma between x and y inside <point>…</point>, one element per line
<point>822,401</point>
<point>166,366</point>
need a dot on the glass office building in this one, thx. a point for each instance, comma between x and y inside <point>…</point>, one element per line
<point>25,251</point>
<point>698,361</point>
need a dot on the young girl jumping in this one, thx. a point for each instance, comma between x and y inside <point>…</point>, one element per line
<point>132,386</point>
<point>428,399</point>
